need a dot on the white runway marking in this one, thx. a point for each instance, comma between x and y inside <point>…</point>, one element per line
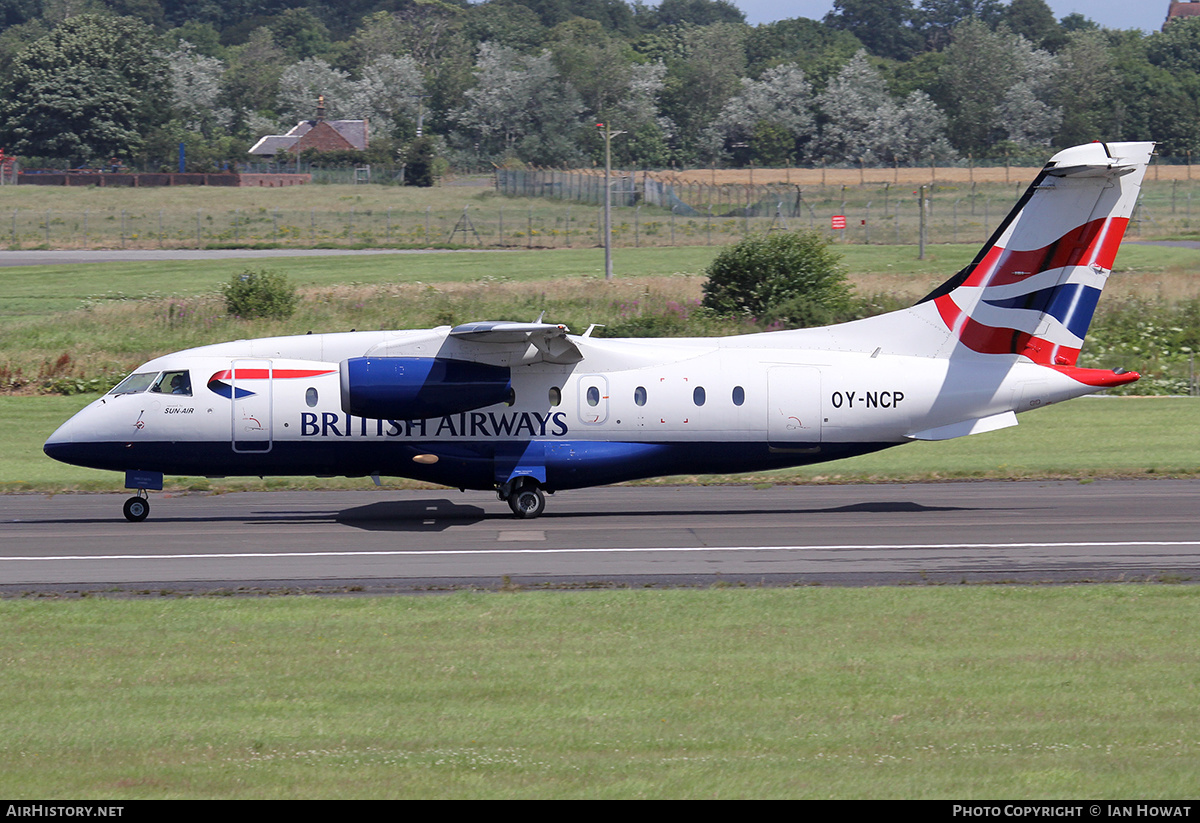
<point>631,550</point>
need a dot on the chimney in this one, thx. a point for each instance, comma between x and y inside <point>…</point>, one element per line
<point>320,108</point>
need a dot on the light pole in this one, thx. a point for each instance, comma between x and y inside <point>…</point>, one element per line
<point>609,134</point>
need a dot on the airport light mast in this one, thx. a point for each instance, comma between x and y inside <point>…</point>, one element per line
<point>609,134</point>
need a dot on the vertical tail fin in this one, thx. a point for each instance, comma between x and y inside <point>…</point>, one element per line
<point>1033,287</point>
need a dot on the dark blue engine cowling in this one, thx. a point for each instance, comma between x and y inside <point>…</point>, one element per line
<point>414,388</point>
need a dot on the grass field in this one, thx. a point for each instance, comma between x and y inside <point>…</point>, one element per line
<point>969,693</point>
<point>880,205</point>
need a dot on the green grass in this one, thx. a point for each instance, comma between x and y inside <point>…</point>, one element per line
<point>1084,438</point>
<point>45,290</point>
<point>927,692</point>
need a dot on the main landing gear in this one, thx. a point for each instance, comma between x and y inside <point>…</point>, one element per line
<point>137,508</point>
<point>524,496</point>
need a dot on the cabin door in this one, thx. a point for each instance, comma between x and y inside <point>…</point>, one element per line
<point>251,402</point>
<point>794,408</point>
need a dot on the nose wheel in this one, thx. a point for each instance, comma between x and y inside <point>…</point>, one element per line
<point>137,509</point>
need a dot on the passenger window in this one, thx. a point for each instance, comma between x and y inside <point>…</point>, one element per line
<point>555,396</point>
<point>310,397</point>
<point>739,395</point>
<point>639,395</point>
<point>593,396</point>
<point>698,396</point>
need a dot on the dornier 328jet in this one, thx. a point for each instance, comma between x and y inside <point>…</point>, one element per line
<point>528,408</point>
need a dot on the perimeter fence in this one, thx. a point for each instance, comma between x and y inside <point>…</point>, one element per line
<point>545,208</point>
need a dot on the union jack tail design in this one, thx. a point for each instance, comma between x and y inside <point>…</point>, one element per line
<point>1033,287</point>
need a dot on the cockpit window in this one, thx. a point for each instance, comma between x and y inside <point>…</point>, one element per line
<point>174,382</point>
<point>135,383</point>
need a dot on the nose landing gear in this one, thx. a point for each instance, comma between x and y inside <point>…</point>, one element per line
<point>137,509</point>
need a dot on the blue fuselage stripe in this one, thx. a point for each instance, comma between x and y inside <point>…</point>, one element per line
<point>470,464</point>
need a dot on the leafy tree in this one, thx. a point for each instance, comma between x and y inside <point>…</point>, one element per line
<point>422,162</point>
<point>251,81</point>
<point>883,26</point>
<point>1077,22</point>
<point>87,91</point>
<point>937,19</point>
<point>1085,85</point>
<point>301,34</point>
<point>698,12</point>
<point>814,47</point>
<point>390,94</point>
<point>16,12</point>
<point>1033,20</point>
<point>997,87</point>
<point>302,83</point>
<point>783,275</point>
<point>1176,49</point>
<point>196,89</point>
<point>593,62</point>
<point>699,84</point>
<point>505,24</point>
<point>773,117</point>
<point>864,122</point>
<point>520,106</point>
<point>1152,102</point>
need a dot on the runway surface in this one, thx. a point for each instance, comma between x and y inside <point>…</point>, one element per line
<point>389,541</point>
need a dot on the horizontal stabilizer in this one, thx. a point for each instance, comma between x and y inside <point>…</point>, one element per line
<point>961,429</point>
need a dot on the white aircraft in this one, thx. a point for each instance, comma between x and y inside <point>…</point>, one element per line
<point>528,408</point>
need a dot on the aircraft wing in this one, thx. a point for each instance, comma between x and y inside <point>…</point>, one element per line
<point>548,339</point>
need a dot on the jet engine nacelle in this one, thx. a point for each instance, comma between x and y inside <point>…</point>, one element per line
<point>415,388</point>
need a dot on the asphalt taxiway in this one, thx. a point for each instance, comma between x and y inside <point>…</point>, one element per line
<point>408,541</point>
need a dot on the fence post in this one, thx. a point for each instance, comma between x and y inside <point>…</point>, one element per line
<point>921,225</point>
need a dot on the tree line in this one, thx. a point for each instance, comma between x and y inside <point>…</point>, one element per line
<point>688,82</point>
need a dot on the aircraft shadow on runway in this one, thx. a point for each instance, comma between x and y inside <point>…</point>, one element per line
<point>413,515</point>
<point>435,515</point>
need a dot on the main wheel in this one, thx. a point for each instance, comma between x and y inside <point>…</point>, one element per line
<point>136,509</point>
<point>527,502</point>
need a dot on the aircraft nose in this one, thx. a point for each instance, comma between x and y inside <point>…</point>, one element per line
<point>74,441</point>
<point>58,445</point>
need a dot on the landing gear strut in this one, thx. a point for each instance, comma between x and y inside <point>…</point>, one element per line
<point>525,498</point>
<point>137,508</point>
